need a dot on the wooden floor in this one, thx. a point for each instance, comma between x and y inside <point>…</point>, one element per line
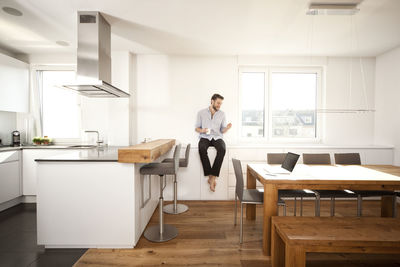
<point>207,237</point>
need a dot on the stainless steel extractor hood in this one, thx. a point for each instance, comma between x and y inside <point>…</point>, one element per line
<point>94,57</point>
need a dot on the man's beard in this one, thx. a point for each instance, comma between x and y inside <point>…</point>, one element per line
<point>214,108</point>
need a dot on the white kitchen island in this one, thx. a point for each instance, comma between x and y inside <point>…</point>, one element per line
<point>87,199</point>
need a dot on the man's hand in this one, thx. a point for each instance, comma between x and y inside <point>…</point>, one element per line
<point>201,130</point>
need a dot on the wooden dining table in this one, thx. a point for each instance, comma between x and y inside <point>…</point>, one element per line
<point>322,177</point>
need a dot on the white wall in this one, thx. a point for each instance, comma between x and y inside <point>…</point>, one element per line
<point>349,128</point>
<point>8,123</point>
<point>387,101</point>
<point>133,123</point>
<point>171,89</point>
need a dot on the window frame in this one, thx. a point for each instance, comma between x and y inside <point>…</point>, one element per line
<point>268,70</point>
<point>34,70</point>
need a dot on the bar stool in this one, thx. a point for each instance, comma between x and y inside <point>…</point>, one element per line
<point>163,232</point>
<point>176,208</point>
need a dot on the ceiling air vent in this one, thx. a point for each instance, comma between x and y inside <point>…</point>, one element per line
<point>332,9</point>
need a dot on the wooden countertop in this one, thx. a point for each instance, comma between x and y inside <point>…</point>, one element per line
<point>145,152</point>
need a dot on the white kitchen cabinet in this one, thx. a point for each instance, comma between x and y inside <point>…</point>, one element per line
<point>10,178</point>
<point>14,77</point>
<point>29,167</point>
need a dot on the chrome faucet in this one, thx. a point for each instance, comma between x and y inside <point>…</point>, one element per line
<point>99,142</point>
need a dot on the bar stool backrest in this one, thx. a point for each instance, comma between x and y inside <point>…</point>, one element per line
<point>321,158</point>
<point>186,161</point>
<point>348,158</point>
<point>237,166</point>
<point>275,158</point>
<point>176,157</point>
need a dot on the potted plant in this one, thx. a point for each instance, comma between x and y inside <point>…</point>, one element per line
<point>46,140</point>
<point>37,140</point>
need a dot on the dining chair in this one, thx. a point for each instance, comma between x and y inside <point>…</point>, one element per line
<point>278,158</point>
<point>397,194</point>
<point>355,159</point>
<point>320,158</point>
<point>325,159</point>
<point>275,158</point>
<point>347,158</point>
<point>247,196</point>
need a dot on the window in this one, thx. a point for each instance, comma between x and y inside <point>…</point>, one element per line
<point>253,84</point>
<point>279,104</point>
<point>293,104</point>
<point>60,107</point>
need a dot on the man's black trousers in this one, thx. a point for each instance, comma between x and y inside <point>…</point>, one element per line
<point>219,145</point>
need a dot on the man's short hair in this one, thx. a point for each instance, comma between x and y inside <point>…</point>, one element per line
<point>215,96</point>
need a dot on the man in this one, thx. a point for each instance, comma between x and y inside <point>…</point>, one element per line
<point>211,124</point>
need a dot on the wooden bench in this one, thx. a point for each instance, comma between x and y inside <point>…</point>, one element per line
<point>293,237</point>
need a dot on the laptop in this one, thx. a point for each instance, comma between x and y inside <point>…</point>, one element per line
<point>287,166</point>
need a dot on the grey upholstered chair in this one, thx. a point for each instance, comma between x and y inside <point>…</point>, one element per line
<point>321,158</point>
<point>397,194</point>
<point>354,159</point>
<point>347,158</point>
<point>176,208</point>
<point>182,162</point>
<point>275,158</point>
<point>163,232</point>
<point>374,193</point>
<point>278,158</point>
<point>325,159</point>
<point>246,196</point>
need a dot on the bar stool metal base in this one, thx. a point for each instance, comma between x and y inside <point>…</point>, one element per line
<point>153,234</point>
<point>180,208</point>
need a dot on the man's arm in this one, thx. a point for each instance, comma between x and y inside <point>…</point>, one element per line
<point>224,130</point>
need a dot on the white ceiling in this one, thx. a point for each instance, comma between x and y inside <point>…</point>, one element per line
<point>206,27</point>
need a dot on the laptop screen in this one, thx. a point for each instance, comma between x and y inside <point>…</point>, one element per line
<point>290,161</point>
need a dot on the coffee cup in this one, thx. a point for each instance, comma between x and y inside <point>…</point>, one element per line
<point>208,131</point>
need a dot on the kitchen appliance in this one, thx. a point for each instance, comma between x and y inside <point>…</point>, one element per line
<point>94,57</point>
<point>15,138</point>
